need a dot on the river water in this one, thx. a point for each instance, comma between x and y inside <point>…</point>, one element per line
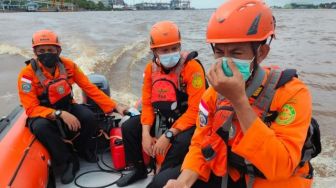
<point>116,44</point>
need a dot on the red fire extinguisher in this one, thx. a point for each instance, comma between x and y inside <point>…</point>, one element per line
<point>118,151</point>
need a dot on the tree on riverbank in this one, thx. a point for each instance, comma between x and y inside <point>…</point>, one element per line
<point>89,5</point>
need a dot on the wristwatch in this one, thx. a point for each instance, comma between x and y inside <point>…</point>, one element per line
<point>169,134</point>
<point>58,113</point>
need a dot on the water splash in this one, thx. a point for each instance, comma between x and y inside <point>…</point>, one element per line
<point>325,164</point>
<point>125,98</point>
<point>138,49</point>
<point>90,61</point>
<point>13,50</point>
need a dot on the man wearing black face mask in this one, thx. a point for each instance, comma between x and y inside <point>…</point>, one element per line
<point>45,91</point>
<point>48,59</point>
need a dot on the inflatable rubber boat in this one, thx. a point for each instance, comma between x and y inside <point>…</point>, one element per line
<point>24,162</point>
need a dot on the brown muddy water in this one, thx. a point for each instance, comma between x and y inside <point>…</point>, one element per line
<point>116,44</point>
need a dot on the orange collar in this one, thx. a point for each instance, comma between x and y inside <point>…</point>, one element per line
<point>47,74</point>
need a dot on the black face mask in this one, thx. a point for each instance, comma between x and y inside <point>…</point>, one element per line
<point>48,59</point>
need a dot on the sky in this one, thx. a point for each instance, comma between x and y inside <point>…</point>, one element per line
<point>216,3</point>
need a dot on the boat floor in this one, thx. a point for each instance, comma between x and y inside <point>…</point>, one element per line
<point>99,178</point>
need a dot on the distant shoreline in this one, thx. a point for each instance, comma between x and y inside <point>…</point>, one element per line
<point>331,5</point>
<point>117,10</point>
<point>303,8</point>
<point>274,8</point>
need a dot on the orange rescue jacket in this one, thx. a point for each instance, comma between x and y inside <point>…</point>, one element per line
<point>274,149</point>
<point>193,77</point>
<point>30,88</point>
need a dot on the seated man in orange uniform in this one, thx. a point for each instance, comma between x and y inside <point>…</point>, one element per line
<point>45,91</point>
<point>174,82</point>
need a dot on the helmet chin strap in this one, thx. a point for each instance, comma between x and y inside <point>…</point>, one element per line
<point>213,47</point>
<point>255,61</point>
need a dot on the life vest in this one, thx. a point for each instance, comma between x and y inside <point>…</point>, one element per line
<point>227,130</point>
<point>169,97</point>
<point>57,93</point>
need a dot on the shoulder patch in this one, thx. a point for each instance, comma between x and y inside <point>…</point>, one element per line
<point>26,87</point>
<point>197,81</point>
<point>203,114</point>
<point>26,79</point>
<point>286,116</point>
<point>26,83</point>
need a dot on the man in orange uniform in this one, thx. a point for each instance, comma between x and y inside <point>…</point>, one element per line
<point>239,140</point>
<point>45,91</point>
<point>174,82</point>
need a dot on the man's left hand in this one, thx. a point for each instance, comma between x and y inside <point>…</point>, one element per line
<point>161,146</point>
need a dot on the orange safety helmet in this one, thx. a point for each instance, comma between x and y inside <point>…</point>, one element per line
<point>45,37</point>
<point>164,33</point>
<point>241,21</point>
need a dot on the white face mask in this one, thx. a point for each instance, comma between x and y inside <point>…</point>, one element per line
<point>169,60</point>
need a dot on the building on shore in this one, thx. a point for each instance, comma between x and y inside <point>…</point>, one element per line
<point>169,5</point>
<point>115,4</point>
<point>152,6</point>
<point>65,5</point>
<point>180,5</point>
<point>36,5</point>
<point>119,5</point>
<point>32,6</point>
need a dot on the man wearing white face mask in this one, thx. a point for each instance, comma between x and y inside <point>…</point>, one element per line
<point>174,82</point>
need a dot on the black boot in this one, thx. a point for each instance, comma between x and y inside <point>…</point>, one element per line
<point>70,171</point>
<point>139,173</point>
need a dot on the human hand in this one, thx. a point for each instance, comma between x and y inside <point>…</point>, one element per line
<point>175,184</point>
<point>147,143</point>
<point>232,88</point>
<point>71,121</point>
<point>161,146</point>
<point>121,108</point>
